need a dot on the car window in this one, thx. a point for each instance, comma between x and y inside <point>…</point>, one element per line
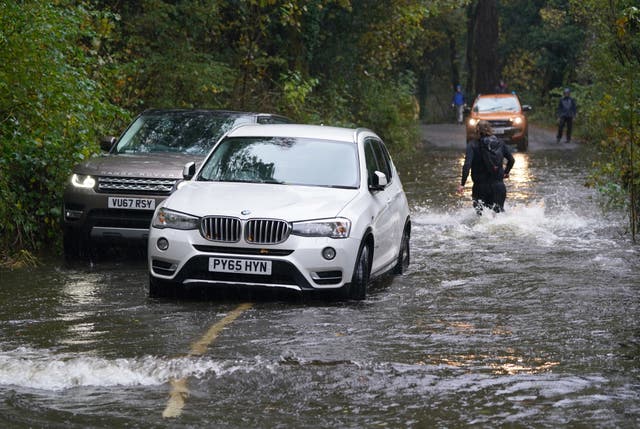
<point>496,104</point>
<point>283,160</point>
<point>270,119</point>
<point>193,133</point>
<point>377,158</point>
<point>370,159</point>
<point>384,161</point>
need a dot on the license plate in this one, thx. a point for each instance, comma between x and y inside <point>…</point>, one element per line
<point>499,130</point>
<point>240,266</point>
<point>132,203</point>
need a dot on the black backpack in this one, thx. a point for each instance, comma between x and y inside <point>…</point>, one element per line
<point>492,155</point>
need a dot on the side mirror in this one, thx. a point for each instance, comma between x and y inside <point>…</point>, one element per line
<point>379,181</point>
<point>106,143</point>
<point>189,170</point>
<point>526,107</point>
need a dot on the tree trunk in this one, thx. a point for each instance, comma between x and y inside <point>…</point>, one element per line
<point>453,63</point>
<point>486,46</point>
<point>470,63</point>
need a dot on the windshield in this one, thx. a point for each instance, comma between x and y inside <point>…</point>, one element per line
<point>180,132</point>
<point>284,160</point>
<point>496,104</point>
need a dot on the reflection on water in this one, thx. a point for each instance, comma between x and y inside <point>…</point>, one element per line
<point>502,365</point>
<point>80,301</point>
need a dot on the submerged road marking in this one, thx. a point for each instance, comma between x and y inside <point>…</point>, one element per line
<point>179,389</point>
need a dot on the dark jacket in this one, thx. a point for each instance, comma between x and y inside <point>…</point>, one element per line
<point>480,172</point>
<point>567,107</point>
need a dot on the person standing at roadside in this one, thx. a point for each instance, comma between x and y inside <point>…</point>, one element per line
<point>567,110</point>
<point>485,160</point>
<point>458,103</point>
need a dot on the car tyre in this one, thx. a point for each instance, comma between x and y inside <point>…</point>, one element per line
<point>360,279</point>
<point>523,145</point>
<point>74,243</point>
<point>404,256</point>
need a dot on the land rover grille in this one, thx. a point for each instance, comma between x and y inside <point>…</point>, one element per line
<point>135,185</point>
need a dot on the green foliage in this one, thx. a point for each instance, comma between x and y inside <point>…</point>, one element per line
<point>613,114</point>
<point>390,108</point>
<point>540,46</point>
<point>296,92</point>
<point>50,112</point>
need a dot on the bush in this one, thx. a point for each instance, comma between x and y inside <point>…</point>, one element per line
<point>390,109</point>
<point>52,110</point>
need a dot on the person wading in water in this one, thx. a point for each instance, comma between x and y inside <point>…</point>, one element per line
<point>485,160</point>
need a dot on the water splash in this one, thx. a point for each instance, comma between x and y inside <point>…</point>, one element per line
<point>42,369</point>
<point>533,221</point>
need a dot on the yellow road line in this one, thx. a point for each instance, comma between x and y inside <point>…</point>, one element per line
<point>179,389</point>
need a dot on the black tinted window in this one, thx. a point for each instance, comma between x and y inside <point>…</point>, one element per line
<point>384,161</point>
<point>377,158</point>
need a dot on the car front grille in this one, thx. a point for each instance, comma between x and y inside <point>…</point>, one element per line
<point>135,185</point>
<point>224,229</point>
<point>283,274</point>
<point>256,231</point>
<point>119,218</point>
<point>266,231</point>
<point>500,123</point>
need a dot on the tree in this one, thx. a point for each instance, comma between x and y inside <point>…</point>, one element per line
<point>52,107</point>
<point>485,46</point>
<point>613,113</point>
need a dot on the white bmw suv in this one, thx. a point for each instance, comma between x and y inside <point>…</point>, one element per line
<point>303,207</point>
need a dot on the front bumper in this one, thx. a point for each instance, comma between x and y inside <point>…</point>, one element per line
<point>88,213</point>
<point>510,135</point>
<point>296,263</point>
<point>504,130</point>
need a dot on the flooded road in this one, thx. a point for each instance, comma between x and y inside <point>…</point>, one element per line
<point>525,319</point>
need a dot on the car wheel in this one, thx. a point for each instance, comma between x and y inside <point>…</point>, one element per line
<point>360,279</point>
<point>523,145</point>
<point>74,243</point>
<point>404,256</point>
<point>161,288</point>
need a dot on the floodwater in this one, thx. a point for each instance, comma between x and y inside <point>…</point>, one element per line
<point>524,319</point>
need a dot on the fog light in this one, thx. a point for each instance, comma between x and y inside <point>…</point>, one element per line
<point>72,214</point>
<point>328,253</point>
<point>163,243</point>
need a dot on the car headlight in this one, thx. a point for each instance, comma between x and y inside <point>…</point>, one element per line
<point>82,181</point>
<point>166,218</point>
<point>473,122</point>
<point>333,228</point>
<point>517,120</point>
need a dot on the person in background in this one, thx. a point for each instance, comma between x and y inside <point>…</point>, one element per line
<point>567,110</point>
<point>458,103</point>
<point>485,160</point>
<point>501,88</point>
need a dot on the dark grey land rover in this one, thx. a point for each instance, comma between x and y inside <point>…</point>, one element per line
<point>111,198</point>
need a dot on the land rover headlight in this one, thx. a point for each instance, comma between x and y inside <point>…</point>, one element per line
<point>166,218</point>
<point>332,228</point>
<point>82,181</point>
